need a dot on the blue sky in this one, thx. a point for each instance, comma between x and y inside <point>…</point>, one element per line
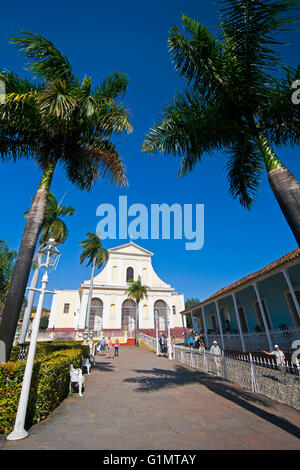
<point>99,38</point>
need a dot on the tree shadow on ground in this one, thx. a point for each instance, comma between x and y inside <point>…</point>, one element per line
<point>103,366</point>
<point>157,379</point>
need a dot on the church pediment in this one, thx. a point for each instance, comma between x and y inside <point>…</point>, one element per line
<point>130,249</point>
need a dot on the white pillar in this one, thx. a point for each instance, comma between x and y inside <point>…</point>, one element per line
<point>238,321</point>
<point>53,311</point>
<point>171,312</point>
<point>263,316</point>
<point>193,320</point>
<point>119,312</point>
<point>151,312</point>
<point>204,325</point>
<point>106,307</point>
<point>292,290</point>
<point>183,329</point>
<point>84,300</point>
<point>220,324</point>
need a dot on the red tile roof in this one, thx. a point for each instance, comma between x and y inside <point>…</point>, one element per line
<point>279,263</point>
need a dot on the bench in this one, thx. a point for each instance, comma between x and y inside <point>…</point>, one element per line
<point>86,363</point>
<point>77,378</point>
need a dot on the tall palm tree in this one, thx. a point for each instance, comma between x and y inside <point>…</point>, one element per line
<point>60,120</point>
<point>53,227</point>
<point>237,99</point>
<point>137,291</point>
<point>95,254</point>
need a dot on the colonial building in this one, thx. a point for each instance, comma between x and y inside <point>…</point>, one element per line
<point>255,312</point>
<point>111,310</point>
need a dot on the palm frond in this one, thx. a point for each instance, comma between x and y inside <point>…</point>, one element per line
<point>112,87</point>
<point>47,61</point>
<point>244,167</point>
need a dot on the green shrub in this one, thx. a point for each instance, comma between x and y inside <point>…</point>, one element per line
<point>49,383</point>
<point>45,348</point>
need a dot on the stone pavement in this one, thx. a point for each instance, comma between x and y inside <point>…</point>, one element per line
<point>140,401</point>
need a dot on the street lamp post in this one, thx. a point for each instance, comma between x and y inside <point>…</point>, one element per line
<point>156,323</point>
<point>169,334</point>
<point>50,256</point>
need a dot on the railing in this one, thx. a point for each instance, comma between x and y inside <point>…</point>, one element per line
<point>257,341</point>
<point>73,335</point>
<point>262,376</point>
<point>148,340</point>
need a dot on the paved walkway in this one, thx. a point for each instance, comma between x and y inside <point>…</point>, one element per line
<point>140,401</point>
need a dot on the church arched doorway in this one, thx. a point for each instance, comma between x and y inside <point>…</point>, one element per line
<point>161,308</point>
<point>128,321</point>
<point>96,315</point>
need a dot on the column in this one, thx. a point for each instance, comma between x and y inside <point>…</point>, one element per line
<point>238,321</point>
<point>119,312</point>
<point>106,307</point>
<point>194,323</point>
<point>220,324</point>
<point>52,316</point>
<point>84,300</point>
<point>183,329</point>
<point>171,316</point>
<point>204,325</point>
<point>263,316</point>
<point>151,312</point>
<point>292,291</point>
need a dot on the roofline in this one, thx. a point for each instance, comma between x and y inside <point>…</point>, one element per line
<point>290,259</point>
<point>131,243</point>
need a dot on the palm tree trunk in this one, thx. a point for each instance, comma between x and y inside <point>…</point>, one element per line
<point>88,308</point>
<point>137,328</point>
<point>30,300</point>
<point>284,185</point>
<point>23,264</point>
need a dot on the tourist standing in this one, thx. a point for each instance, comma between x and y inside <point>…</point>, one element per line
<point>117,343</point>
<point>109,347</point>
<point>280,359</point>
<point>102,346</point>
<point>191,341</point>
<point>215,352</point>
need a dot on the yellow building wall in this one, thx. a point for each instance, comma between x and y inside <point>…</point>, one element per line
<point>66,320</point>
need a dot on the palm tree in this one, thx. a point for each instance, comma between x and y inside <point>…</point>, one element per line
<point>95,254</point>
<point>7,259</point>
<point>60,120</point>
<point>53,227</point>
<point>235,100</point>
<point>137,291</point>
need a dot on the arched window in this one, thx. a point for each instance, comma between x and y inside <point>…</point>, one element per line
<point>129,274</point>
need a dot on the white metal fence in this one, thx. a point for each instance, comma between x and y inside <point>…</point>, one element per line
<point>262,376</point>
<point>72,334</point>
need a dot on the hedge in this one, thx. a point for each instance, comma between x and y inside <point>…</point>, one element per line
<point>46,348</point>
<point>49,383</point>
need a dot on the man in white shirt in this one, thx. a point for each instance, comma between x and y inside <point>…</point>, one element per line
<point>215,352</point>
<point>280,359</point>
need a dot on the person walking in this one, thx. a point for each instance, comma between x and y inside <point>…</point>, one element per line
<point>117,343</point>
<point>280,359</point>
<point>109,347</point>
<point>102,346</point>
<point>160,340</point>
<point>215,352</point>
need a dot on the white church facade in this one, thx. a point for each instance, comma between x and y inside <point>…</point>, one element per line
<point>111,310</point>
